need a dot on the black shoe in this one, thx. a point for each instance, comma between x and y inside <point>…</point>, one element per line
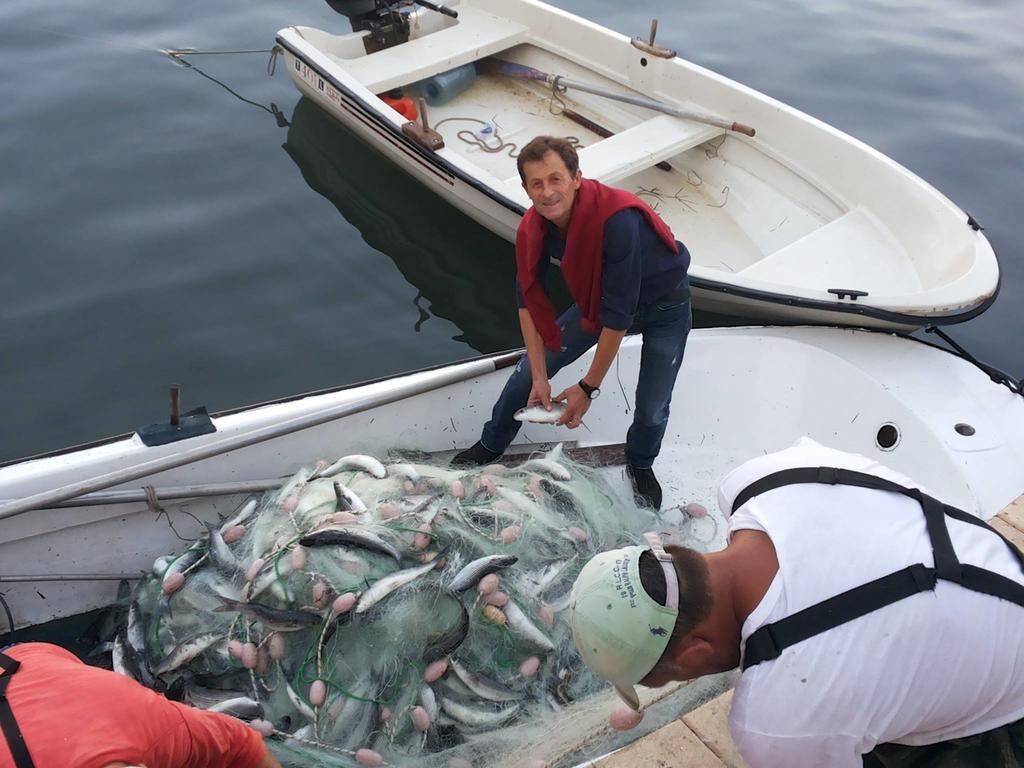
<point>646,488</point>
<point>475,456</point>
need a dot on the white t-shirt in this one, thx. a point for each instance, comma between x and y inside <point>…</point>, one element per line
<point>932,667</point>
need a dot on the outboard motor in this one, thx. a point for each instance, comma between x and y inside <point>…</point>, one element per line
<point>387,22</point>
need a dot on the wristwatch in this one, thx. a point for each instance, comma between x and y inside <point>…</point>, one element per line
<point>589,391</point>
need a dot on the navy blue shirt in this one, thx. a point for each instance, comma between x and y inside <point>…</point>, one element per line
<point>638,268</point>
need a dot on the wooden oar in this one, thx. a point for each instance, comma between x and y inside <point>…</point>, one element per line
<point>558,82</point>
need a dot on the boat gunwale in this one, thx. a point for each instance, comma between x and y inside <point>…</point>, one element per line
<point>502,359</point>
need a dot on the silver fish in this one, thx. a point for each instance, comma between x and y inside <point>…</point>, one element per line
<point>538,414</point>
<point>352,537</point>
<point>360,728</point>
<point>136,642</point>
<point>101,648</point>
<point>362,463</point>
<point>280,619</point>
<point>160,564</point>
<point>136,634</point>
<point>485,689</point>
<point>520,623</point>
<point>560,603</point>
<point>297,481</point>
<point>301,707</point>
<point>529,507</point>
<point>187,650</point>
<point>348,501</point>
<point>204,698</point>
<point>546,467</point>
<point>471,573</point>
<point>384,587</point>
<point>184,564</point>
<point>452,684</point>
<point>478,718</point>
<point>220,552</point>
<point>305,733</point>
<point>270,576</point>
<point>415,505</point>
<point>187,560</point>
<point>535,583</point>
<point>408,471</point>
<point>428,701</point>
<point>241,707</point>
<point>241,518</point>
<point>443,644</point>
<point>119,658</point>
<point>357,718</point>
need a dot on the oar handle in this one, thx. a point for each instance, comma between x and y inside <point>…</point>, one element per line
<point>439,8</point>
<point>741,128</point>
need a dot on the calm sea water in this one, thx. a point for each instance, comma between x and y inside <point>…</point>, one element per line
<point>164,224</point>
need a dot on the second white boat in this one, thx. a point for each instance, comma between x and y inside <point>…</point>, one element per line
<point>799,222</point>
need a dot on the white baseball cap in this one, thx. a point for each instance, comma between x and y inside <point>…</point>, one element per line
<point>620,631</point>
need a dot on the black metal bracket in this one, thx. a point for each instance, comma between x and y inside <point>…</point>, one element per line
<point>849,293</point>
<point>180,426</point>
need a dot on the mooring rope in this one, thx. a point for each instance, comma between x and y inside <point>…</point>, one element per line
<point>996,375</point>
<point>176,52</point>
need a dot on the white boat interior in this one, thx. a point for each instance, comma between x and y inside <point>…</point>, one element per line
<point>741,392</point>
<point>800,210</point>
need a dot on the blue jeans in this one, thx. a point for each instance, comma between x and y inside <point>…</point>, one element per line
<point>664,327</point>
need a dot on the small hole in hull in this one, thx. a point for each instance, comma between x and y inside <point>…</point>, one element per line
<point>888,437</point>
<point>964,429</point>
<point>643,61</point>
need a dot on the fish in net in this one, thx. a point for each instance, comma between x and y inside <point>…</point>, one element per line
<point>397,613</point>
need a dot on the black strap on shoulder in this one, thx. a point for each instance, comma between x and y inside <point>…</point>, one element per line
<point>769,641</point>
<point>15,741</point>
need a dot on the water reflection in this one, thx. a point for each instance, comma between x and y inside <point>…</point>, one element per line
<point>463,272</point>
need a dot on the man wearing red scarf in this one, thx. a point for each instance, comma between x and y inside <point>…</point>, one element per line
<point>623,269</point>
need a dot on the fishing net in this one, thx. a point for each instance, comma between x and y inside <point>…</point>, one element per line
<point>403,614</point>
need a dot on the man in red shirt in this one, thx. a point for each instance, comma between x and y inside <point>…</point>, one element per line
<point>72,715</point>
<point>625,270</point>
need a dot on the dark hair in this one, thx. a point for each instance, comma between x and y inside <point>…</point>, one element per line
<point>540,146</point>
<point>694,588</point>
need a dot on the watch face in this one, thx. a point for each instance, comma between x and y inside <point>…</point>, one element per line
<point>594,393</point>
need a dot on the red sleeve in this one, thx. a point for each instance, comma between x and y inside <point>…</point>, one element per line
<point>72,714</point>
<point>217,741</point>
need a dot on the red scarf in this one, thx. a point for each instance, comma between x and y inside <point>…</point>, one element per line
<point>583,261</point>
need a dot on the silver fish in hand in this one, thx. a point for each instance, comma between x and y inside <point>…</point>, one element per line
<point>538,414</point>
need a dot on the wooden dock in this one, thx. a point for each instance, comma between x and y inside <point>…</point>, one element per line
<point>701,739</point>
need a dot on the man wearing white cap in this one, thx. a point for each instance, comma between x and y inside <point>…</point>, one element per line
<point>874,624</point>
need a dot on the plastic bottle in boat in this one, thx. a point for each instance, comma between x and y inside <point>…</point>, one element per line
<point>443,87</point>
<point>487,136</point>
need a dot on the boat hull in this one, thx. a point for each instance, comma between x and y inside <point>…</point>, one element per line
<point>799,242</point>
<point>741,392</point>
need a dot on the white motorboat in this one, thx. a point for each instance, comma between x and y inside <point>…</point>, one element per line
<point>742,391</point>
<point>797,223</point>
